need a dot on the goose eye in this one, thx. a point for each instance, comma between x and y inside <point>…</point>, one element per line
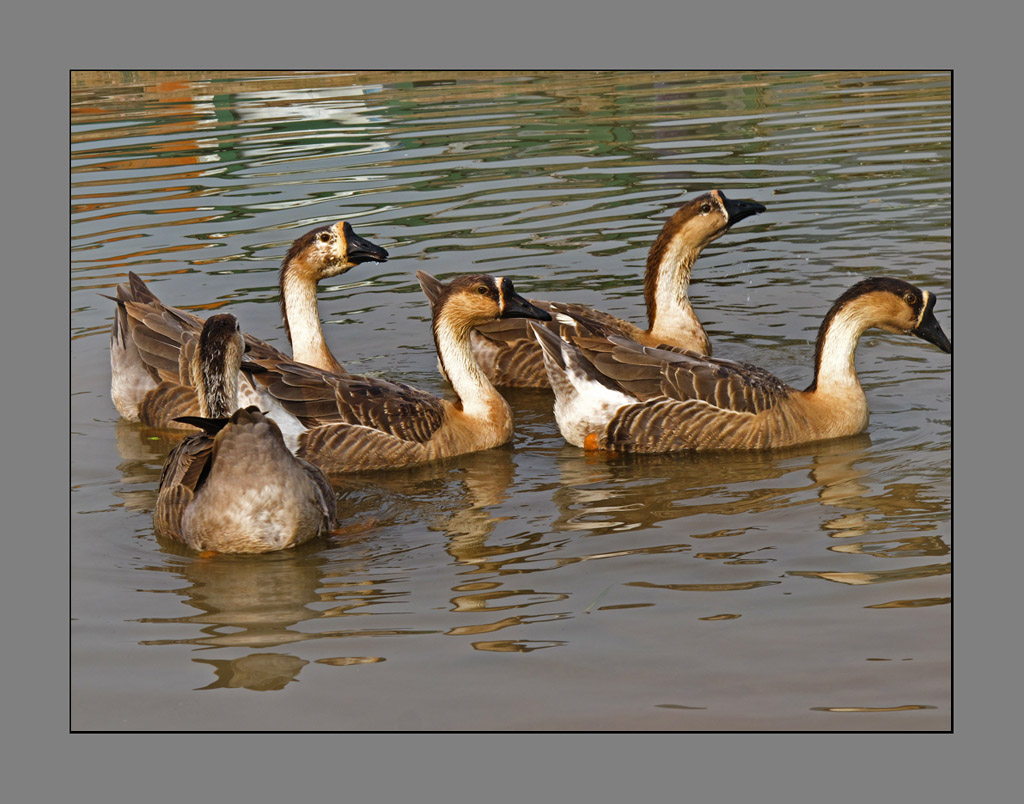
<point>324,237</point>
<point>910,299</point>
<point>482,289</point>
<point>705,208</point>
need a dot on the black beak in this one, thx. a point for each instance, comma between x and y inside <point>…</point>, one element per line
<point>930,330</point>
<point>208,426</point>
<point>518,307</point>
<point>359,250</point>
<point>738,210</point>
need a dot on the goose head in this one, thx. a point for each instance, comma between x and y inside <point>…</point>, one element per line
<point>694,225</point>
<point>474,299</point>
<point>217,362</point>
<point>893,305</point>
<point>328,251</point>
<point>320,253</point>
<point>703,220</point>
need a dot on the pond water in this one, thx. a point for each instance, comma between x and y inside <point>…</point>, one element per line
<point>531,587</point>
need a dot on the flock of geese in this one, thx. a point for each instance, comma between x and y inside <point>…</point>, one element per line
<point>266,429</point>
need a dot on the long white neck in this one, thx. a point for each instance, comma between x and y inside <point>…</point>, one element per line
<point>836,348</point>
<point>302,320</point>
<point>476,393</point>
<point>671,315</point>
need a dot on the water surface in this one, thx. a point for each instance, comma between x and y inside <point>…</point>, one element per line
<point>530,587</point>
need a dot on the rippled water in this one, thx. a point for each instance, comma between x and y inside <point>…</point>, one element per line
<point>530,587</point>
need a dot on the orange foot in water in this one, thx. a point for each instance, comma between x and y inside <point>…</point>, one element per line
<point>592,446</point>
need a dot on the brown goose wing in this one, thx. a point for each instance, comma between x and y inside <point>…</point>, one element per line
<point>391,407</point>
<point>326,499</point>
<point>165,403</point>
<point>185,470</point>
<point>685,401</point>
<point>591,322</point>
<point>509,354</point>
<point>650,373</point>
<point>160,336</point>
<point>319,398</point>
<point>341,447</point>
<point>188,463</point>
<point>167,337</point>
<point>158,331</point>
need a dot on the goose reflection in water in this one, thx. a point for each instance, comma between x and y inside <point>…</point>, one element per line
<point>142,451</point>
<point>597,494</point>
<point>261,672</point>
<point>256,602</point>
<point>247,602</point>
<point>453,496</point>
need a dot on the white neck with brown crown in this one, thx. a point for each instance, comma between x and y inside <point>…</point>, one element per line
<point>669,311</point>
<point>478,397</point>
<point>302,318</point>
<point>836,373</point>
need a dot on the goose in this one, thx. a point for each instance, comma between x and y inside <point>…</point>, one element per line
<point>355,423</point>
<point>615,394</point>
<point>235,487</point>
<point>153,345</point>
<point>511,358</point>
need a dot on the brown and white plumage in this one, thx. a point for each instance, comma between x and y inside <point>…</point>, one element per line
<point>153,346</point>
<point>612,393</point>
<point>235,487</point>
<point>361,423</point>
<point>510,356</point>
